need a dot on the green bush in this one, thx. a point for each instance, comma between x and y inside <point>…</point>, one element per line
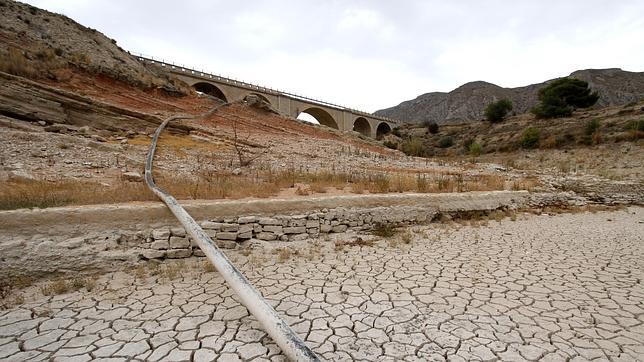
<point>446,142</point>
<point>432,127</point>
<point>413,146</point>
<point>496,111</point>
<point>530,137</point>
<point>561,97</point>
<point>475,149</point>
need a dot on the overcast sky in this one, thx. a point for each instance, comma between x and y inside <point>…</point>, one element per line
<point>374,54</point>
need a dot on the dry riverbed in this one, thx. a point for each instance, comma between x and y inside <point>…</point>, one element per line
<point>528,287</point>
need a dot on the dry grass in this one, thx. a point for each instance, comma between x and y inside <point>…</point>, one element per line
<point>62,286</point>
<point>208,267</point>
<point>212,185</point>
<point>283,254</point>
<point>340,244</point>
<point>406,238</point>
<point>9,297</point>
<point>527,183</point>
<point>37,63</point>
<point>16,63</point>
<point>55,287</point>
<point>140,273</point>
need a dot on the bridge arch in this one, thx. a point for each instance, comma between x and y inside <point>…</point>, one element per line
<point>383,129</point>
<point>362,126</point>
<point>322,116</point>
<point>210,89</point>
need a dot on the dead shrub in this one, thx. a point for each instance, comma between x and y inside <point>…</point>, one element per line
<point>318,187</point>
<point>384,230</point>
<point>283,254</point>
<point>301,191</point>
<point>379,184</point>
<point>56,287</point>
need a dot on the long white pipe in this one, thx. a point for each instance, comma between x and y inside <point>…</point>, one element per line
<point>290,343</point>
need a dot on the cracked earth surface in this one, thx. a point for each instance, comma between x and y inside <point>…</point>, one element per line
<point>562,287</point>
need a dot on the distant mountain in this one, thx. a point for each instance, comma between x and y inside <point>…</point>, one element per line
<point>467,102</point>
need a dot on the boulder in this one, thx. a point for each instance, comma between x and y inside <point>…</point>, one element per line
<point>132,176</point>
<point>56,128</point>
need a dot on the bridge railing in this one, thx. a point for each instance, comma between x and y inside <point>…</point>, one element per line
<point>201,73</point>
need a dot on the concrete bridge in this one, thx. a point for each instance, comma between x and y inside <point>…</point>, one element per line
<point>289,104</point>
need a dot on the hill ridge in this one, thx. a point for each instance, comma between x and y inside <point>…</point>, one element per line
<point>467,102</point>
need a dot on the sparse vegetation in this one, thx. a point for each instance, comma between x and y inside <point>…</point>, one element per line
<point>62,286</point>
<point>42,194</point>
<point>496,111</point>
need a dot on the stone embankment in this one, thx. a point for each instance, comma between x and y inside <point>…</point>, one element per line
<point>110,237</point>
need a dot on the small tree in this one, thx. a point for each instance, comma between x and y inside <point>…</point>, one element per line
<point>530,137</point>
<point>496,111</point>
<point>561,97</point>
<point>432,127</point>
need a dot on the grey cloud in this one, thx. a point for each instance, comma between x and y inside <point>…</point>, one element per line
<point>412,46</point>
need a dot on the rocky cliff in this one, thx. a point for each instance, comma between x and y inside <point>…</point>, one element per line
<point>467,102</point>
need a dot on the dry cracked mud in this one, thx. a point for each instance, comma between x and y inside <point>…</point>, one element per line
<point>543,287</point>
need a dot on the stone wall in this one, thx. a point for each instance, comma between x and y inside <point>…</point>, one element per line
<point>111,237</point>
<point>229,233</point>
